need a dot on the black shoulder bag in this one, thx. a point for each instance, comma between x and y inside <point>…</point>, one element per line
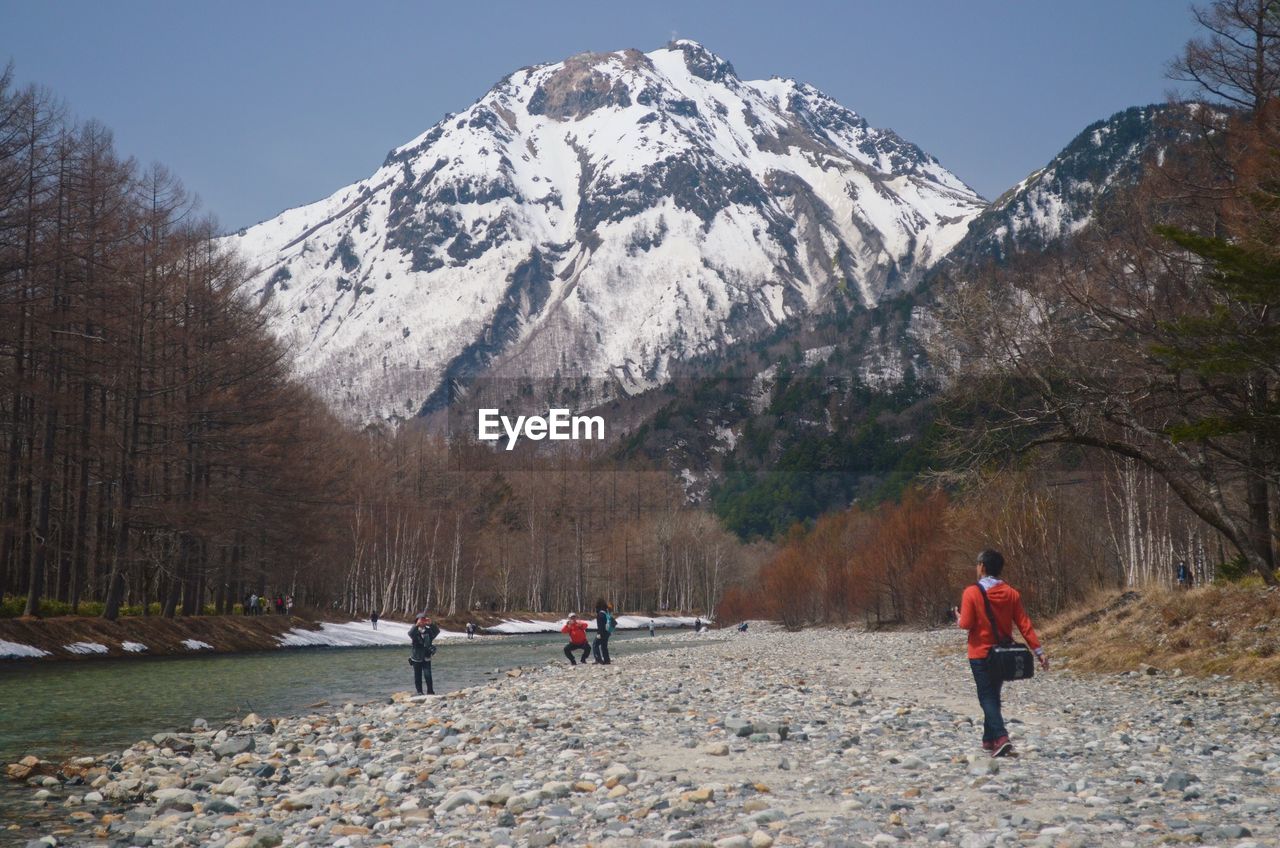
<point>1008,660</point>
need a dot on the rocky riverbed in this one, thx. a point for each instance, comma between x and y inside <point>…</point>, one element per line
<point>824,738</point>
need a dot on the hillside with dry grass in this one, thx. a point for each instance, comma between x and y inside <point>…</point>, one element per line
<point>1216,629</point>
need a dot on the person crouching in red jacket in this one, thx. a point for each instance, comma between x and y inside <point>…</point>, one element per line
<point>971,615</point>
<point>577,630</point>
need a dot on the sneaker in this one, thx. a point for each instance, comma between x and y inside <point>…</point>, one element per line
<point>1002,747</point>
<point>988,745</point>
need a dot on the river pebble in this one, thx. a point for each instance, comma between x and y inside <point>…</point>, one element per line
<point>822,738</point>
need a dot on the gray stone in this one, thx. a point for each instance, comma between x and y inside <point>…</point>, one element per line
<point>174,799</point>
<point>1233,831</point>
<point>221,805</point>
<point>233,746</point>
<point>459,799</point>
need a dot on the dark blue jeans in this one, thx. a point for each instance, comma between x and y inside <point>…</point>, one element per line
<point>421,670</point>
<point>989,699</point>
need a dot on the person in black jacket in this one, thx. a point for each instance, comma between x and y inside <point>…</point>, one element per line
<point>600,648</point>
<point>422,634</point>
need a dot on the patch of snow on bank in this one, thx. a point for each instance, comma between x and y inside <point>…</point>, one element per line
<point>134,647</point>
<point>355,634</point>
<point>641,622</point>
<point>85,648</point>
<point>512,626</point>
<point>13,650</point>
<point>197,645</point>
<point>625,622</point>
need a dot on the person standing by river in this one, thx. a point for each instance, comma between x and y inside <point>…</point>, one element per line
<point>604,629</point>
<point>373,617</point>
<point>992,598</point>
<point>577,630</point>
<point>422,636</point>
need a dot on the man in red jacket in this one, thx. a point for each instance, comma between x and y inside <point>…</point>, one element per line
<point>577,630</point>
<point>971,615</point>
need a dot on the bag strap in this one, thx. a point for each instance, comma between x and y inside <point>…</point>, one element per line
<point>1001,639</point>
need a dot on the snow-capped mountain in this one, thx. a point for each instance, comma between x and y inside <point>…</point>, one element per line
<point>603,217</point>
<point>1062,198</point>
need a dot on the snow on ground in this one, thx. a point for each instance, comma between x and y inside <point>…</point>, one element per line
<point>355,634</point>
<point>85,648</point>
<point>197,645</point>
<point>134,647</point>
<point>625,622</point>
<point>13,650</point>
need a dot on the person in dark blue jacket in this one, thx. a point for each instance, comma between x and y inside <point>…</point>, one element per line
<point>421,636</point>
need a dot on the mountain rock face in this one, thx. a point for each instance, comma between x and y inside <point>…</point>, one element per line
<point>600,218</point>
<point>1062,198</point>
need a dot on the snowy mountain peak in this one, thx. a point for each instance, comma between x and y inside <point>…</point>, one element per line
<point>1061,199</point>
<point>599,218</point>
<point>701,62</point>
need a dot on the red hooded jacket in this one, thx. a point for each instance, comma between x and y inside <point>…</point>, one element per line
<point>577,630</point>
<point>1006,603</point>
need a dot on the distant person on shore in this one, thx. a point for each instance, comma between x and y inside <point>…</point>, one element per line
<point>604,629</point>
<point>697,625</point>
<point>742,627</point>
<point>1183,575</point>
<point>251,605</point>
<point>422,636</point>
<point>577,630</point>
<point>471,630</point>
<point>971,615</point>
<point>288,605</point>
<point>373,617</point>
<point>651,627</point>
<point>279,604</point>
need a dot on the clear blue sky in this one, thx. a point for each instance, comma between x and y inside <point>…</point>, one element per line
<point>263,105</point>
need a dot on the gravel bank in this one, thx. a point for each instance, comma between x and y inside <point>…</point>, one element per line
<point>819,738</point>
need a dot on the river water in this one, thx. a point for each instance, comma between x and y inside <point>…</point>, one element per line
<point>58,710</point>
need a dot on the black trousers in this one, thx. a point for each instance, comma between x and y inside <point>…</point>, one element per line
<point>570,648</point>
<point>420,670</point>
<point>600,650</point>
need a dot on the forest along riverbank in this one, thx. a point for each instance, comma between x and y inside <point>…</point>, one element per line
<point>820,738</point>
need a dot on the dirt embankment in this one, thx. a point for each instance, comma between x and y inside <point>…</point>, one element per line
<point>161,636</point>
<point>1224,629</point>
